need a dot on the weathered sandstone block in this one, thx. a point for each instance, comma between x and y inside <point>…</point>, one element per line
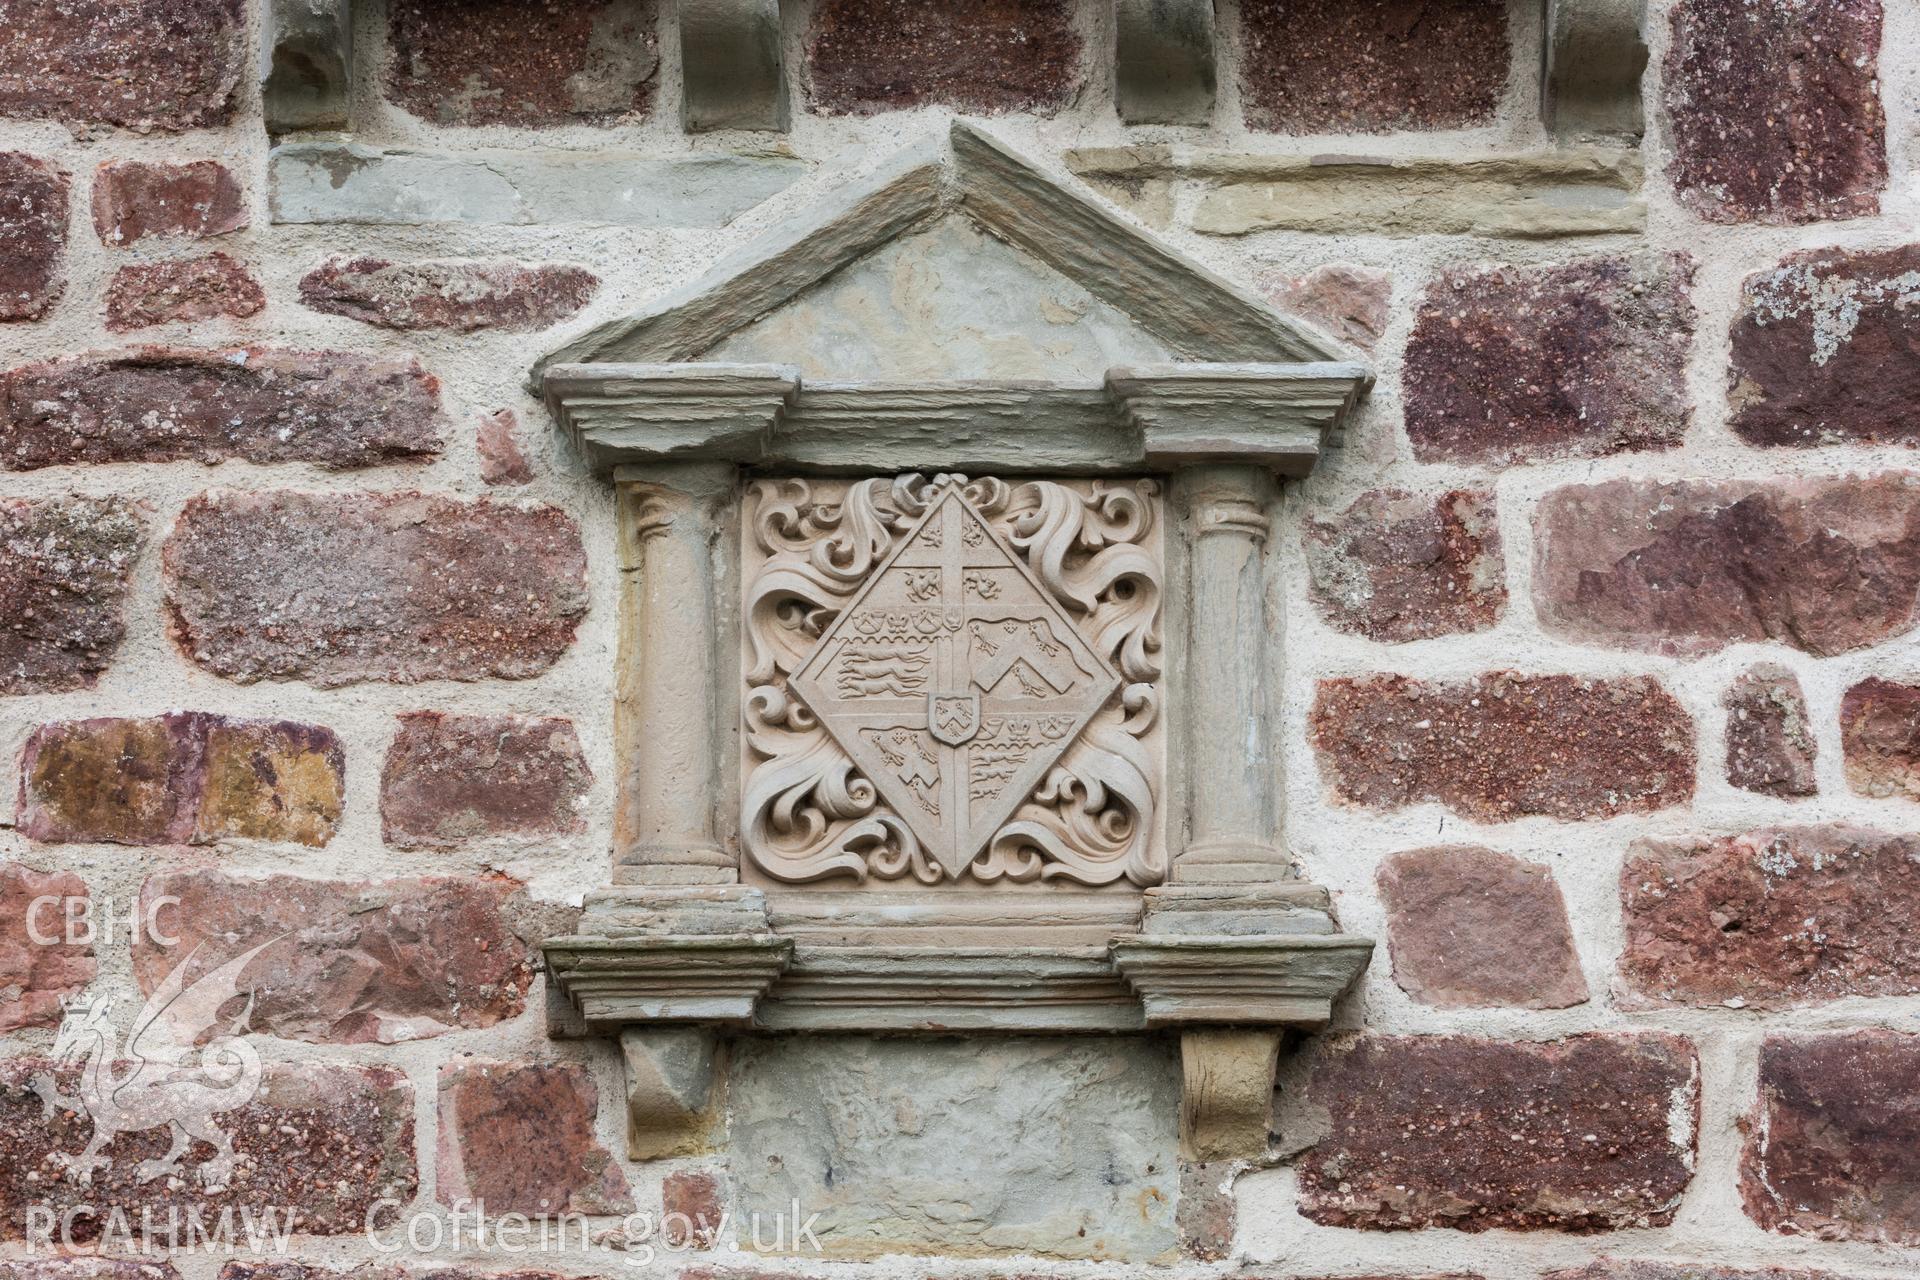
<point>1821,564</point>
<point>182,290</point>
<point>450,779</point>
<point>1505,745</point>
<point>338,588</point>
<point>1206,1214</point>
<point>1773,107</point>
<point>356,962</point>
<point>985,56</point>
<point>64,569</point>
<point>1472,928</point>
<point>1775,918</point>
<point>163,404</point>
<point>518,1137</point>
<point>1770,743</point>
<point>501,62</point>
<point>325,1140</point>
<point>1592,1133</point>
<point>1880,738</point>
<point>181,778</point>
<point>1648,1269</point>
<point>350,182</point>
<point>37,974</point>
<point>503,459</point>
<point>1826,350</point>
<point>1351,303</point>
<point>33,235</point>
<point>1833,1144</point>
<point>135,199</point>
<point>86,1268</point>
<point>461,296</point>
<point>141,64</point>
<point>1055,1147</point>
<point>1522,364</point>
<point>692,1207</point>
<point>1397,566</point>
<point>1372,66</point>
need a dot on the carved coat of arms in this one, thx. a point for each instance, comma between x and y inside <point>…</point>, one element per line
<point>952,679</point>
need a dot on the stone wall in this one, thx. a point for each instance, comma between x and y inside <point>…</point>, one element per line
<point>1603,702</point>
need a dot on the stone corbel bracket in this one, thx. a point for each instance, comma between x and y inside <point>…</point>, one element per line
<point>306,73</point>
<point>678,954</point>
<point>1590,67</point>
<point>731,72</point>
<point>1163,61</point>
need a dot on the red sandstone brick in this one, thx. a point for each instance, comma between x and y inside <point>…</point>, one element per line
<point>1880,738</point>
<point>326,1140</point>
<point>1472,928</point>
<point>1770,743</point>
<point>293,1270</point>
<point>1396,566</point>
<point>504,62</point>
<point>461,296</point>
<point>1593,1133</point>
<point>1372,66</point>
<point>451,779</point>
<point>1773,109</point>
<point>518,1137</point>
<point>42,960</point>
<point>691,1209</point>
<point>33,235</point>
<point>162,404</point>
<point>339,588</point>
<point>1833,1144</point>
<point>1776,918</point>
<point>354,961</point>
<point>86,1268</point>
<point>1351,303</point>
<point>135,199</point>
<point>1205,1215</point>
<point>1505,745</point>
<point>64,569</point>
<point>1524,364</point>
<point>182,290</point>
<point>185,777</point>
<point>502,459</point>
<point>1824,565</point>
<point>1826,350</point>
<point>1649,1269</point>
<point>143,64</point>
<point>985,56</point>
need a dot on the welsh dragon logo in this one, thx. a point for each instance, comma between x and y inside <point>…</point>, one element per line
<point>151,1083</point>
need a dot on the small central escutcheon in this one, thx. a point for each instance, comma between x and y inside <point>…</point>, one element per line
<point>953,680</point>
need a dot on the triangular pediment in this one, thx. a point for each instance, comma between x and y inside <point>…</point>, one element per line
<point>943,304</point>
<point>960,262</point>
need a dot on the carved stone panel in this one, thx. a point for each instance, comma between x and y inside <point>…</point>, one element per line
<point>953,680</point>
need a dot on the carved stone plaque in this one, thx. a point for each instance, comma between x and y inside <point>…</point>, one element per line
<point>952,679</point>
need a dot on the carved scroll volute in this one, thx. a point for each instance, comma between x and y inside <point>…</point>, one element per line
<point>949,679</point>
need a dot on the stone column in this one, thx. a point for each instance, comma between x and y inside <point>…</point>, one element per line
<point>1233,791</point>
<point>677,526</point>
<point>1233,949</point>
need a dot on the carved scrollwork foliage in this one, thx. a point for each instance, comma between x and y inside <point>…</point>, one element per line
<point>952,678</point>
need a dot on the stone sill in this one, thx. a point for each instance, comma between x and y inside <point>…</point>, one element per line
<point>1571,191</point>
<point>765,982</point>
